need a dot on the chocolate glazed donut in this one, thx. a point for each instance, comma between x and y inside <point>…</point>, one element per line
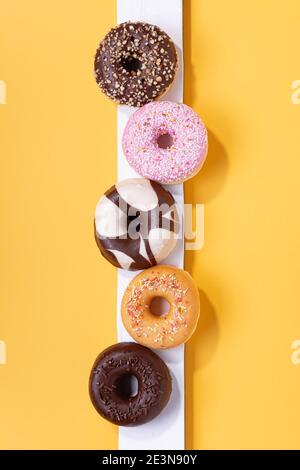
<point>135,63</point>
<point>113,399</point>
<point>136,223</point>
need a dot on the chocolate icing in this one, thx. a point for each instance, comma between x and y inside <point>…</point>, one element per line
<point>154,218</point>
<point>135,63</point>
<point>154,384</point>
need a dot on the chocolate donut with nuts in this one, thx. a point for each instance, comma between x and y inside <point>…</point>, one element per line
<point>135,63</point>
<point>111,389</point>
<point>136,224</point>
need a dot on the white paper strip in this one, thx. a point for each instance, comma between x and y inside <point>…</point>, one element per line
<point>167,431</point>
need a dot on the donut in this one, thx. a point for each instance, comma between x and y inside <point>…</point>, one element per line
<point>172,328</point>
<point>110,389</point>
<point>135,63</point>
<point>165,142</point>
<point>136,224</point>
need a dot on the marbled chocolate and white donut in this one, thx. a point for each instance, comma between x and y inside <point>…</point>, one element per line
<point>136,223</point>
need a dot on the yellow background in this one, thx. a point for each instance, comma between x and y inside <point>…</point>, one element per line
<point>58,154</point>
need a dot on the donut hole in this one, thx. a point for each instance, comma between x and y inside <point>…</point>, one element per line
<point>165,141</point>
<point>127,386</point>
<point>159,306</point>
<point>131,64</point>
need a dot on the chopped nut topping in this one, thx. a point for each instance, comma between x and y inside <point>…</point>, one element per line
<point>128,63</point>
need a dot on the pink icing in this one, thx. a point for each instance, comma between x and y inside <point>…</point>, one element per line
<point>182,126</point>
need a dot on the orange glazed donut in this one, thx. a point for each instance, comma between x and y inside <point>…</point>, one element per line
<point>175,326</point>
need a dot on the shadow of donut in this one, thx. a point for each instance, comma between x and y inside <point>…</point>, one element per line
<point>199,351</point>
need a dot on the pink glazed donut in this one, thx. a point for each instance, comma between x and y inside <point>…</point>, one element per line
<point>165,142</point>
